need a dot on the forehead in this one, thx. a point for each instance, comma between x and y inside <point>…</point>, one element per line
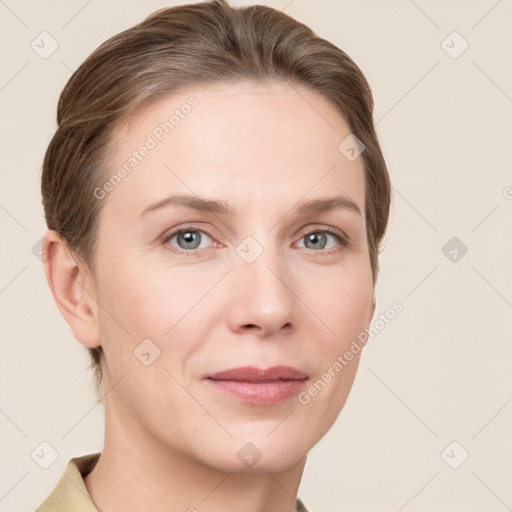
<point>235,141</point>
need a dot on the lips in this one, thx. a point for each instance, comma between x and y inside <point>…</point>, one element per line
<point>251,374</point>
<point>259,387</point>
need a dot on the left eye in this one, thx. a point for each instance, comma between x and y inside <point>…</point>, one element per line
<point>318,240</point>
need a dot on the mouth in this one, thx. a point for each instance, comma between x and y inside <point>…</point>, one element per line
<point>259,386</point>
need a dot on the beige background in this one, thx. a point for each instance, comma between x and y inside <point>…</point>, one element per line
<point>439,372</point>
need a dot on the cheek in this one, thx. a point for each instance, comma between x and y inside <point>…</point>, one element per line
<point>343,301</point>
<point>345,307</point>
<point>150,299</point>
<point>163,304</point>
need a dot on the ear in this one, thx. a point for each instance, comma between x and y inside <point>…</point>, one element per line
<point>72,287</point>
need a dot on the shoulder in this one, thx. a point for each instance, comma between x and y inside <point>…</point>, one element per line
<point>70,493</point>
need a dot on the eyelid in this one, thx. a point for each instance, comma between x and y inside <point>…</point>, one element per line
<point>326,229</point>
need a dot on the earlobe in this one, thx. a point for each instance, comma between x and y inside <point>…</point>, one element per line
<point>72,287</point>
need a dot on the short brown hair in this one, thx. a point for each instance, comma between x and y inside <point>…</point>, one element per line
<point>184,46</point>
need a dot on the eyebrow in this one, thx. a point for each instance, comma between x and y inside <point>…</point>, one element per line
<point>192,202</point>
<point>223,208</point>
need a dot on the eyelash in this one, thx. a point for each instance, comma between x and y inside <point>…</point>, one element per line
<point>342,239</point>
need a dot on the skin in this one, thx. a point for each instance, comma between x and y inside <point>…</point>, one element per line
<point>171,439</point>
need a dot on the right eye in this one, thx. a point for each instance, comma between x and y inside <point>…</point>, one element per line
<point>188,240</point>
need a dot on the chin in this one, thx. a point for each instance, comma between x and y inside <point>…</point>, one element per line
<point>256,454</point>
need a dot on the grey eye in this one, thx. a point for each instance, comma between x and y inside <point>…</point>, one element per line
<point>320,240</point>
<point>189,239</point>
<point>316,240</point>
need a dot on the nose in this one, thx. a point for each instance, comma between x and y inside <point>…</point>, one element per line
<point>262,297</point>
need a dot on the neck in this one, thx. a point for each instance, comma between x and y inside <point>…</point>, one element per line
<point>136,472</point>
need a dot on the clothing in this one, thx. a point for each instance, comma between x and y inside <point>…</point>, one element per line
<point>70,494</point>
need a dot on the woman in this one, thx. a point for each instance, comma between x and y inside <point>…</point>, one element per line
<point>215,196</point>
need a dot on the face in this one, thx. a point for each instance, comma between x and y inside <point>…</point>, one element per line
<point>236,273</point>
